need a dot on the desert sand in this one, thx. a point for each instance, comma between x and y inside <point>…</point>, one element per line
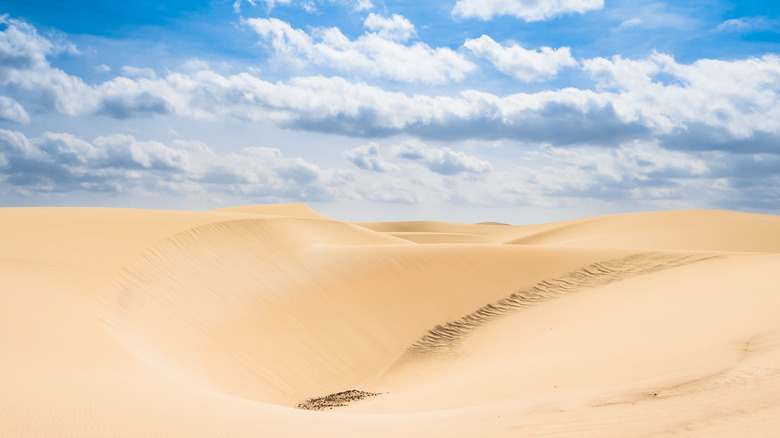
<point>268,321</point>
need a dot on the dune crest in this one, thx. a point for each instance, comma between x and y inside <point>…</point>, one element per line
<point>705,230</point>
<point>287,210</point>
<point>445,338</point>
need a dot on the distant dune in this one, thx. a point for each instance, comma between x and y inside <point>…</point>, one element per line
<point>274,320</point>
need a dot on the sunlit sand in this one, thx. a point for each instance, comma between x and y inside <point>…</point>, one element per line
<point>277,321</point>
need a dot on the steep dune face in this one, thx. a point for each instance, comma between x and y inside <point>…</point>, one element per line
<point>223,303</point>
<point>139,323</point>
<point>283,309</point>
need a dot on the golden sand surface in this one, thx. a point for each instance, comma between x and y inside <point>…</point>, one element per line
<point>275,321</point>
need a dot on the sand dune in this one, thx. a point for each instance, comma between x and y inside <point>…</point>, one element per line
<point>693,230</point>
<point>440,237</point>
<point>288,210</point>
<point>137,323</point>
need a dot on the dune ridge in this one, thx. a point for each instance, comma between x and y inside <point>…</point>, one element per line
<point>446,337</point>
<point>286,210</point>
<point>705,230</point>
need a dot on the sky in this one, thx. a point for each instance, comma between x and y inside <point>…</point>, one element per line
<point>518,111</point>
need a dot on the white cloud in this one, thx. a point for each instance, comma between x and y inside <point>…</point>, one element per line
<point>61,162</point>
<point>24,65</point>
<point>652,129</point>
<point>363,5</point>
<point>310,6</point>
<point>283,37</point>
<point>297,170</point>
<point>371,53</point>
<point>270,4</point>
<point>195,64</point>
<point>629,103</point>
<point>396,27</point>
<point>11,111</point>
<point>21,46</point>
<point>124,151</point>
<point>709,104</point>
<point>528,10</point>
<point>123,98</point>
<point>550,176</point>
<point>522,64</point>
<point>739,97</point>
<point>547,176</point>
<point>735,24</point>
<point>653,15</point>
<point>14,142</point>
<point>369,157</point>
<point>443,161</point>
<point>747,24</point>
<point>631,22</point>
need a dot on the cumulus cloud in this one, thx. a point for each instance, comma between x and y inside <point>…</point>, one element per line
<point>520,63</point>
<point>377,54</point>
<point>737,99</point>
<point>51,163</point>
<point>11,111</point>
<point>634,171</point>
<point>369,157</point>
<point>707,105</point>
<point>443,161</point>
<point>61,162</point>
<point>547,176</point>
<point>21,47</point>
<point>23,64</point>
<point>124,151</point>
<point>123,98</point>
<point>528,10</point>
<point>363,5</point>
<point>396,27</point>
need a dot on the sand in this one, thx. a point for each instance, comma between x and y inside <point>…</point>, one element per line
<point>138,323</point>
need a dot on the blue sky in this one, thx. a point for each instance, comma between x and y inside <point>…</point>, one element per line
<point>466,110</point>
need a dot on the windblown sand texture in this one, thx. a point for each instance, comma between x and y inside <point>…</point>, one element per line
<point>269,321</point>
